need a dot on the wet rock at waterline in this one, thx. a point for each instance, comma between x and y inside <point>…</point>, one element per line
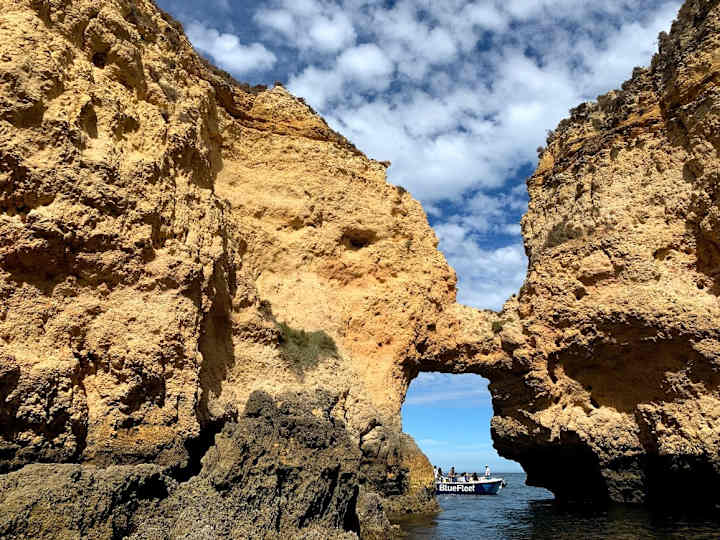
<point>197,277</point>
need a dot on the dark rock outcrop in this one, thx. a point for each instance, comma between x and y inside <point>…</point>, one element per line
<point>57,501</point>
<point>285,469</point>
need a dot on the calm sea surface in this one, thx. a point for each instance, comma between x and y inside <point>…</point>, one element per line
<point>520,512</point>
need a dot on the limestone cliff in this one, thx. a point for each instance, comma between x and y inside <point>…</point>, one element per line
<point>618,396</point>
<point>171,242</point>
<point>212,305</point>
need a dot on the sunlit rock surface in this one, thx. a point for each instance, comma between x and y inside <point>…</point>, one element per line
<point>209,298</point>
<point>172,241</point>
<point>619,394</point>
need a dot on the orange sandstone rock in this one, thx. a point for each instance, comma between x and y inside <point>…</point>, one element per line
<point>620,306</point>
<point>172,241</point>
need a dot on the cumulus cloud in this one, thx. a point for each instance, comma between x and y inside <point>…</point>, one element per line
<point>332,33</point>
<point>454,118</point>
<point>433,388</point>
<point>279,20</point>
<point>310,26</point>
<point>367,65</point>
<point>456,94</point>
<point>228,52</point>
<point>317,85</point>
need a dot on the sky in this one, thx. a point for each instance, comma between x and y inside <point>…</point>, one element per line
<point>458,95</point>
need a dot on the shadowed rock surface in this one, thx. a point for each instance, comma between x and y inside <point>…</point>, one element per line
<point>285,465</point>
<point>74,501</point>
<point>286,468</point>
<point>212,305</point>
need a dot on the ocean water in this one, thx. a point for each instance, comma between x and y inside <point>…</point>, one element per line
<point>521,512</point>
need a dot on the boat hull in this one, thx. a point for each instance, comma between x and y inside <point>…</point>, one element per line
<point>491,487</point>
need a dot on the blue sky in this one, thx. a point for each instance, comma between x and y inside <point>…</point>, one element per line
<point>458,95</point>
<point>449,417</point>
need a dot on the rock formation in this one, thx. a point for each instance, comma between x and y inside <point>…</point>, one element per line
<point>618,396</point>
<point>171,242</point>
<point>212,305</point>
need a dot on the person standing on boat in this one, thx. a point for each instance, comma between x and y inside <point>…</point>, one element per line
<point>452,473</point>
<point>487,471</point>
<point>440,474</point>
<point>475,477</point>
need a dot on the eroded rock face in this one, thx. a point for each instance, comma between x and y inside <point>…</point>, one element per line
<point>285,469</point>
<point>285,466</point>
<point>172,241</point>
<point>195,273</point>
<point>620,309</point>
<point>77,501</point>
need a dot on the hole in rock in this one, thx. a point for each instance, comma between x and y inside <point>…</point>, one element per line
<point>449,418</point>
<point>99,59</point>
<point>356,239</point>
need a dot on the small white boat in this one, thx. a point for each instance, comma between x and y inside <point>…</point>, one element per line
<point>482,486</point>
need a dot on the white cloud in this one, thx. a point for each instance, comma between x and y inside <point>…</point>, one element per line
<point>487,277</point>
<point>432,388</point>
<point>439,46</point>
<point>278,20</point>
<point>303,7</point>
<point>228,52</point>
<point>332,34</point>
<point>470,122</point>
<point>367,65</point>
<point>457,95</point>
<point>487,17</point>
<point>309,26</point>
<point>449,395</point>
<point>316,85</point>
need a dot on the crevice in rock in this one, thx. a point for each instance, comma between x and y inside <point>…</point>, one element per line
<point>351,522</point>
<point>99,60</point>
<point>216,340</point>
<point>196,449</point>
<point>357,239</point>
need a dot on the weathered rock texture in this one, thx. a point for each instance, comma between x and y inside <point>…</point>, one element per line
<point>618,396</point>
<point>172,241</point>
<point>285,466</point>
<point>212,305</point>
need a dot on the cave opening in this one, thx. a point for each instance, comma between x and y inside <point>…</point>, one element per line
<point>449,417</point>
